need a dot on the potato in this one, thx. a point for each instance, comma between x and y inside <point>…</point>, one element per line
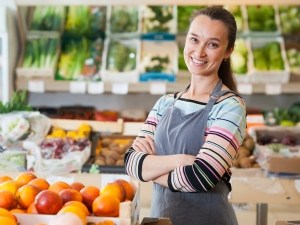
<point>100,162</point>
<point>245,162</point>
<point>120,162</point>
<point>243,152</point>
<point>106,142</point>
<point>249,144</point>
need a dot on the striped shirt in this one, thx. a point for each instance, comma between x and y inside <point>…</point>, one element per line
<point>226,127</point>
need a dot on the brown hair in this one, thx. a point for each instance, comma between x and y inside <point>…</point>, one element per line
<point>219,13</point>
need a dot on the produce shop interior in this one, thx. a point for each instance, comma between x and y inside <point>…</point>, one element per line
<point>78,79</point>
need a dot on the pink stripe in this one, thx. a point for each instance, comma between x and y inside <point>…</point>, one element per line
<point>228,134</point>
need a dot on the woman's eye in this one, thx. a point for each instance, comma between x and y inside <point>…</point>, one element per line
<point>213,45</point>
<point>193,39</point>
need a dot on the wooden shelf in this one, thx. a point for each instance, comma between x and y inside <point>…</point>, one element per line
<point>50,85</point>
<point>156,2</point>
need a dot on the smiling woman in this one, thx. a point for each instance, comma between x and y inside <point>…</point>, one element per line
<point>190,138</point>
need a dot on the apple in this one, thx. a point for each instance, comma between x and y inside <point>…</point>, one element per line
<point>48,202</point>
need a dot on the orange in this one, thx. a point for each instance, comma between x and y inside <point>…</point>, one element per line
<point>4,178</point>
<point>129,189</point>
<point>24,178</point>
<point>17,211</point>
<point>58,186</point>
<point>7,221</point>
<point>79,205</point>
<point>48,202</point>
<point>77,185</point>
<point>106,222</point>
<point>75,210</point>
<point>89,193</point>
<point>70,195</point>
<point>26,195</point>
<point>106,205</point>
<point>31,209</point>
<point>8,214</point>
<point>7,200</point>
<point>41,183</point>
<point>115,189</point>
<point>10,185</point>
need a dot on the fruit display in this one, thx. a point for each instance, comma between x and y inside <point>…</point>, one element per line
<point>261,18</point>
<point>48,18</point>
<point>110,151</point>
<point>245,158</point>
<point>124,20</point>
<point>26,194</point>
<point>158,19</point>
<point>289,19</point>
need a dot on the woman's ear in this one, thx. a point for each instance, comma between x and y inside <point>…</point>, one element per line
<point>228,53</point>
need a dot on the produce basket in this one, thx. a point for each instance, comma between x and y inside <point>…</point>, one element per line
<point>289,19</point>
<point>123,21</point>
<point>277,149</point>
<point>240,14</point>
<point>39,56</point>
<point>262,21</point>
<point>292,49</point>
<point>158,61</point>
<point>159,22</point>
<point>268,61</point>
<point>121,60</point>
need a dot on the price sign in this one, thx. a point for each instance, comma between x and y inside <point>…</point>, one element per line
<point>246,89</point>
<point>158,88</point>
<point>78,87</point>
<point>37,86</point>
<point>119,88</point>
<point>95,88</point>
<point>273,89</point>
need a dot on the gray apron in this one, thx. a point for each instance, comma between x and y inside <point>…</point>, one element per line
<point>177,133</point>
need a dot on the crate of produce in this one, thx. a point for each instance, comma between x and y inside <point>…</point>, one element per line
<point>121,60</point>
<point>239,13</point>
<point>159,61</point>
<point>99,192</point>
<point>292,49</point>
<point>123,21</point>
<point>108,155</point>
<point>289,19</point>
<point>46,18</point>
<point>262,20</point>
<point>61,151</point>
<point>39,56</point>
<point>80,59</point>
<point>159,22</point>
<point>85,21</point>
<point>240,60</point>
<point>268,61</point>
<point>277,149</point>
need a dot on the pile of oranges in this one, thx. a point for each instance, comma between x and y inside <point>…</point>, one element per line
<point>28,193</point>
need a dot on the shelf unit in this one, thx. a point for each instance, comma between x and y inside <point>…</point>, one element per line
<point>8,53</point>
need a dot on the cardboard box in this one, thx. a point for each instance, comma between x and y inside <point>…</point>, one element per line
<point>287,222</point>
<point>156,221</point>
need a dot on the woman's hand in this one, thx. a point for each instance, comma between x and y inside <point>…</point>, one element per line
<point>145,145</point>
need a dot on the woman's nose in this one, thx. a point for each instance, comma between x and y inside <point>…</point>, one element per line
<point>200,50</point>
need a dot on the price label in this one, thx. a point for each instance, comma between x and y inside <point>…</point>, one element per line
<point>78,87</point>
<point>95,88</point>
<point>119,88</point>
<point>109,178</point>
<point>246,89</point>
<point>37,86</point>
<point>158,88</point>
<point>273,89</point>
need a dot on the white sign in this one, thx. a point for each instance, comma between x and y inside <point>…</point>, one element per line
<point>158,88</point>
<point>78,87</point>
<point>119,88</point>
<point>273,89</point>
<point>246,89</point>
<point>36,86</point>
<point>95,88</point>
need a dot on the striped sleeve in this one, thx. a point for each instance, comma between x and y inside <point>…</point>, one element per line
<point>225,133</point>
<point>134,159</point>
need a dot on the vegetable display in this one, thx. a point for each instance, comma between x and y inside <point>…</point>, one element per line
<point>268,57</point>
<point>239,57</point>
<point>183,14</point>
<point>41,53</point>
<point>289,18</point>
<point>48,18</point>
<point>157,19</point>
<point>120,57</point>
<point>237,13</point>
<point>158,64</point>
<point>261,18</point>
<point>124,19</point>
<point>18,102</point>
<point>293,56</point>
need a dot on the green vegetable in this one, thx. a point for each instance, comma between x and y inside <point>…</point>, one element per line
<point>158,64</point>
<point>18,102</point>
<point>183,14</point>
<point>261,18</point>
<point>159,21</point>
<point>124,19</point>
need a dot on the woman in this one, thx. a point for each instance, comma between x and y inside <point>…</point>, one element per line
<point>190,139</point>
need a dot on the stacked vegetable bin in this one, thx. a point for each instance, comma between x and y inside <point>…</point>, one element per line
<point>145,43</point>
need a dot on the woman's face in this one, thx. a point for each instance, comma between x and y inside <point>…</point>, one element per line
<point>206,46</point>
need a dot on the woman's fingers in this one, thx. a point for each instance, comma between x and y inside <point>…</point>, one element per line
<point>144,145</point>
